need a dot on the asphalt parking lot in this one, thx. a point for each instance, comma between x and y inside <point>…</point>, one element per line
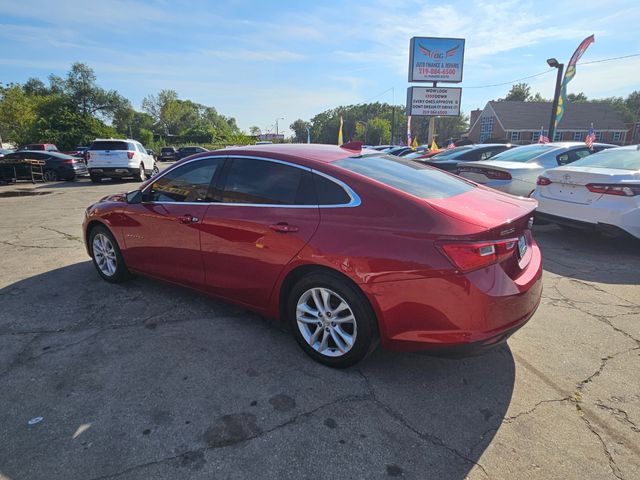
<point>148,380</point>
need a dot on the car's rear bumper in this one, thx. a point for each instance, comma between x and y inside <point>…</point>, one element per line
<point>605,214</point>
<point>609,228</point>
<point>113,172</point>
<point>457,312</point>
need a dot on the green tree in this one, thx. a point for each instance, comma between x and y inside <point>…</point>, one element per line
<point>255,130</point>
<point>17,114</point>
<point>299,129</point>
<point>577,97</point>
<point>520,92</point>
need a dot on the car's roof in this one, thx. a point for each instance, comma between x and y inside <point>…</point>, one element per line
<point>308,151</point>
<point>45,152</point>
<point>115,140</point>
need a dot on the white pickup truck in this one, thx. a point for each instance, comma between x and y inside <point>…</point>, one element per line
<point>115,158</point>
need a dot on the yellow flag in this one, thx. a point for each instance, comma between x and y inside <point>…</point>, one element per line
<point>340,142</point>
<point>414,144</point>
<point>434,145</point>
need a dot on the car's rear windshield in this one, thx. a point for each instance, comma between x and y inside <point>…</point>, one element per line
<point>451,152</point>
<point>522,154</point>
<point>167,149</point>
<point>622,158</point>
<point>406,175</point>
<point>111,145</point>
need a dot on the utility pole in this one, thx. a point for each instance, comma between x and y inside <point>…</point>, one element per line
<point>308,134</point>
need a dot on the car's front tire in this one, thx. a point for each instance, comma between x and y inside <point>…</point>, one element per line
<point>331,320</point>
<point>106,255</point>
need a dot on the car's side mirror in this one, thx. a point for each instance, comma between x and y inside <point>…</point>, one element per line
<point>134,197</point>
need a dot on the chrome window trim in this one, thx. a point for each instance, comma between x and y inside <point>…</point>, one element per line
<point>354,202</point>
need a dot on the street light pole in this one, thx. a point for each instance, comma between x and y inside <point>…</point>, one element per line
<point>280,118</point>
<point>552,62</point>
<point>308,134</point>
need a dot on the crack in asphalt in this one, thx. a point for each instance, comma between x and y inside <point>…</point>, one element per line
<point>4,242</point>
<point>620,414</point>
<point>432,439</point>
<point>66,236</point>
<point>612,463</point>
<point>533,409</point>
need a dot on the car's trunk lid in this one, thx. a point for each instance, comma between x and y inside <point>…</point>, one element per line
<point>569,184</point>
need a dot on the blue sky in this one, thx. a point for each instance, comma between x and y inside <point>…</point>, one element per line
<point>258,61</point>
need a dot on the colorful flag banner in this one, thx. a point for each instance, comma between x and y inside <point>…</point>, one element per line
<point>340,142</point>
<point>451,144</point>
<point>414,144</point>
<point>568,76</point>
<point>409,131</point>
<point>434,145</point>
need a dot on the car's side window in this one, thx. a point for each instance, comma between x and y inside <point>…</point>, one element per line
<point>264,182</point>
<point>188,183</point>
<point>563,158</point>
<point>329,192</point>
<point>573,155</point>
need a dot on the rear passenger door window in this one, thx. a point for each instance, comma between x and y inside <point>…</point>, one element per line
<point>266,182</point>
<point>329,192</point>
<point>190,182</point>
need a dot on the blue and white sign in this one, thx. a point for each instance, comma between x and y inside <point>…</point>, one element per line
<point>436,59</point>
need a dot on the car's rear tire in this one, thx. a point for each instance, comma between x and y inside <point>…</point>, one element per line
<point>141,176</point>
<point>50,176</point>
<point>106,255</point>
<point>155,170</point>
<point>331,320</point>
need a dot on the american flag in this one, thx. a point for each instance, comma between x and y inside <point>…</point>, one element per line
<point>451,145</point>
<point>590,138</point>
<point>542,138</point>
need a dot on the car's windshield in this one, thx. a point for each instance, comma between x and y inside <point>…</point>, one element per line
<point>451,152</point>
<point>406,175</point>
<point>523,154</point>
<point>622,158</point>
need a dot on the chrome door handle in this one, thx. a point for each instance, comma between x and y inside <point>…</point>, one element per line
<point>186,219</point>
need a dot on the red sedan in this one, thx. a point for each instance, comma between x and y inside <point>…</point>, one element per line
<point>350,247</point>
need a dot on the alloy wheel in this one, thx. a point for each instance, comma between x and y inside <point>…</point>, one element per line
<point>326,322</point>
<point>50,176</point>
<point>104,254</point>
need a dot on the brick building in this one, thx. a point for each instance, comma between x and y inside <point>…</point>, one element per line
<point>520,122</point>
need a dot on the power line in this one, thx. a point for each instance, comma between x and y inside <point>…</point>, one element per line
<point>552,70</point>
<point>609,59</point>
<point>513,81</point>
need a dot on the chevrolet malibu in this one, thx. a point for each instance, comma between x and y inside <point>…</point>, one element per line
<point>351,248</point>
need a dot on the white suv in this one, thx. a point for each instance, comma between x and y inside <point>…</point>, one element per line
<point>115,158</point>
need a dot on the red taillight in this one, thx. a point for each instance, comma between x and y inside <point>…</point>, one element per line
<point>543,181</point>
<point>615,189</point>
<point>68,162</point>
<point>487,172</point>
<point>130,155</point>
<point>471,256</point>
<point>87,156</point>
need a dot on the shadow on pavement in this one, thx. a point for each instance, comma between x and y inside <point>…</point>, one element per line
<point>587,255</point>
<point>150,380</point>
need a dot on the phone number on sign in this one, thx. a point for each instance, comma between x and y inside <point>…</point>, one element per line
<point>437,71</point>
<point>434,113</point>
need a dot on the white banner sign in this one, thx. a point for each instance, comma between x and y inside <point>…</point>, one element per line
<point>433,101</point>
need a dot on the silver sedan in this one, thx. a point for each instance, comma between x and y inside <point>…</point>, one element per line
<point>515,171</point>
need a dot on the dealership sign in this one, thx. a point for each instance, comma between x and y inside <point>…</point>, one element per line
<point>433,101</point>
<point>436,59</point>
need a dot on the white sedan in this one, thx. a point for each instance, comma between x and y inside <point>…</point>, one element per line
<point>600,192</point>
<point>515,171</point>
